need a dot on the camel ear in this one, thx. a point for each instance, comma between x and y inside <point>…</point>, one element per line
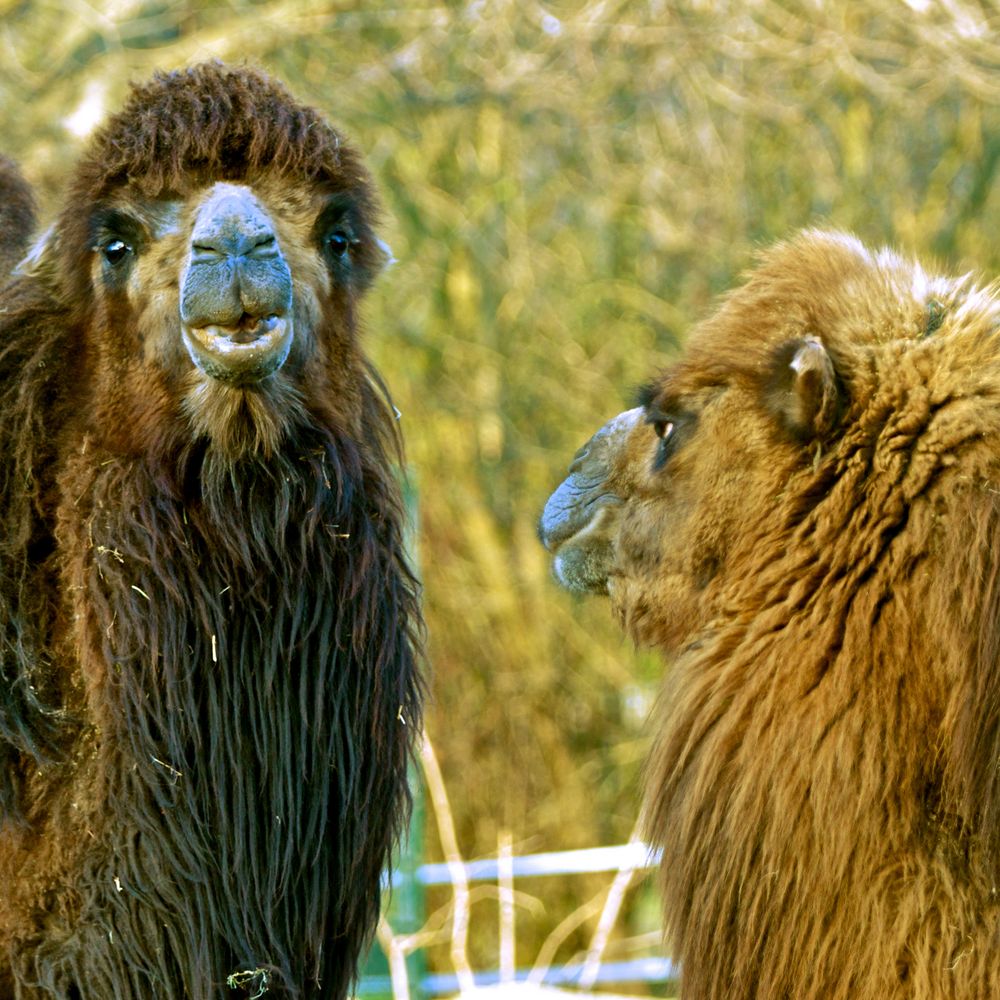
<point>804,391</point>
<point>387,256</point>
<point>42,257</point>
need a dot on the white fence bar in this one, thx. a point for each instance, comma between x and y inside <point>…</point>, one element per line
<point>593,859</point>
<point>639,970</point>
<point>623,857</point>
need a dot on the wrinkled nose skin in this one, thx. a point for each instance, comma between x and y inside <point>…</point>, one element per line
<point>236,291</point>
<point>577,523</point>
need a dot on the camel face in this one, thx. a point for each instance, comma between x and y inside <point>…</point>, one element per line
<point>657,504</point>
<point>236,298</point>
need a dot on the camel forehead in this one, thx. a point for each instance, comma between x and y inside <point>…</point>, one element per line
<point>826,287</point>
<point>175,214</point>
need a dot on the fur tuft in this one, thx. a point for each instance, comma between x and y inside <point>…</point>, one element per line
<point>17,216</point>
<point>212,121</point>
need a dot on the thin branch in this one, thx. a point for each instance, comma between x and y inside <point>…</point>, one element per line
<point>563,929</point>
<point>612,907</point>
<point>505,883</point>
<point>397,960</point>
<point>456,867</point>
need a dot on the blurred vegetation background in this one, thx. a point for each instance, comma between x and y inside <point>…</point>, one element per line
<point>567,186</point>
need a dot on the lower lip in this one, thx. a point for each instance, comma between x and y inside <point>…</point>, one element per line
<point>215,351</point>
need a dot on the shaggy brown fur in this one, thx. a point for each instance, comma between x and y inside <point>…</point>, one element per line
<point>17,216</point>
<point>804,514</point>
<point>208,630</point>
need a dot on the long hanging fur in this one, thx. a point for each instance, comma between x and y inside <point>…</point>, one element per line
<point>209,685</point>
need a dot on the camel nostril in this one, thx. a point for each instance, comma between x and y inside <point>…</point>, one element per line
<point>580,457</point>
<point>203,253</point>
<point>233,243</point>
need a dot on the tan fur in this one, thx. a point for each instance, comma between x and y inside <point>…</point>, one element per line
<point>817,554</point>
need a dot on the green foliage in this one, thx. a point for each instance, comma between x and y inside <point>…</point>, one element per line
<point>567,187</point>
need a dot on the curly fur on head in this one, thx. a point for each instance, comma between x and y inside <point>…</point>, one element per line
<point>209,633</point>
<point>803,515</point>
<point>213,121</point>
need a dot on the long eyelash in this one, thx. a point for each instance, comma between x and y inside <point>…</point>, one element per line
<point>645,394</point>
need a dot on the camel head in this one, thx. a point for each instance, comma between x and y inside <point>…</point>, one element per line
<point>215,243</point>
<point>674,508</point>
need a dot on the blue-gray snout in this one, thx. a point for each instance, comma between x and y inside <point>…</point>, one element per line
<point>578,523</point>
<point>236,291</point>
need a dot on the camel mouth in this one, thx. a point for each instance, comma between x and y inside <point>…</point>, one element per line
<point>243,354</point>
<point>584,554</point>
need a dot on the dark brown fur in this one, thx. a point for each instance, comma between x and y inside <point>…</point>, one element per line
<point>17,216</point>
<point>816,548</point>
<point>208,678</point>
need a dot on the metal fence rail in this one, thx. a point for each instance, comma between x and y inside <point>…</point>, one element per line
<point>633,856</point>
<point>639,970</point>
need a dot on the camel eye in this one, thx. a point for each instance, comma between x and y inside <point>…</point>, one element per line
<point>338,244</point>
<point>115,251</point>
<point>664,430</point>
<point>118,238</point>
